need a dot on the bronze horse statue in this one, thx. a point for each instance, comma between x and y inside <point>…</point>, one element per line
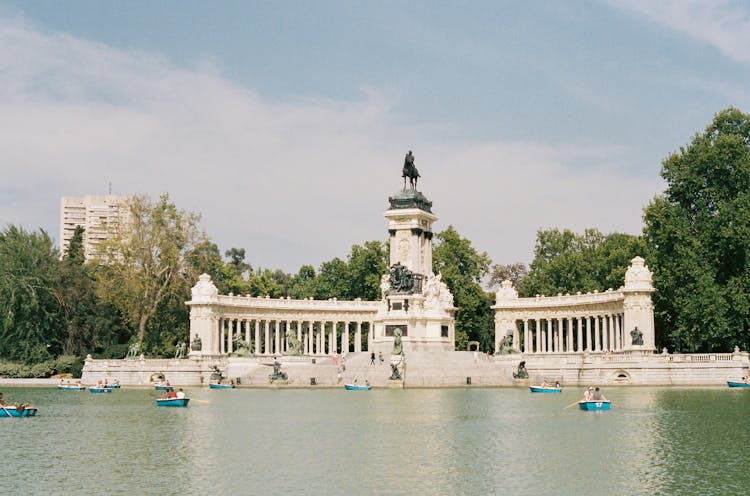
<point>410,171</point>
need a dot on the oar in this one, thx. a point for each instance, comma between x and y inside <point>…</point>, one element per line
<point>574,403</point>
<point>201,401</point>
<point>5,410</point>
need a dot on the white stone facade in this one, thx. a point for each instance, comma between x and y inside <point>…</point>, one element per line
<point>271,326</point>
<point>608,322</point>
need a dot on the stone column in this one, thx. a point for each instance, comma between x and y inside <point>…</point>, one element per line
<point>321,338</point>
<point>266,337</point>
<point>569,341</point>
<point>516,336</point>
<point>358,338</point>
<point>618,336</point>
<point>345,338</point>
<point>277,341</point>
<point>332,348</point>
<point>579,334</point>
<point>256,327</point>
<point>230,336</point>
<point>222,322</point>
<point>526,336</point>
<point>597,339</point>
<point>538,343</point>
<point>370,332</point>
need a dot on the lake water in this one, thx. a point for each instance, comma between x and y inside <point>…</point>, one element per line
<point>671,441</point>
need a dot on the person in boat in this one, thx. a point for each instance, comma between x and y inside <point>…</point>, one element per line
<point>170,394</point>
<point>588,393</point>
<point>598,396</point>
<point>544,384</point>
<point>367,383</point>
<point>557,384</point>
<point>180,394</point>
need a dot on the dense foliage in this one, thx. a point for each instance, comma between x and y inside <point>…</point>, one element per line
<point>462,269</point>
<point>698,231</point>
<point>566,262</point>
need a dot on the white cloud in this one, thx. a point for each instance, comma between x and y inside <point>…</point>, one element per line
<point>724,24</point>
<point>293,182</point>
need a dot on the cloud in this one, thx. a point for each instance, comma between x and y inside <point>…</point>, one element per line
<point>723,24</point>
<point>293,182</point>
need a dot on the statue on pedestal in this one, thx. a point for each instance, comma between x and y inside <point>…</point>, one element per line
<point>133,350</point>
<point>410,171</point>
<point>294,346</point>
<point>506,345</point>
<point>637,337</point>
<point>196,345</point>
<point>179,350</point>
<point>521,373</point>
<point>401,279</point>
<point>277,373</point>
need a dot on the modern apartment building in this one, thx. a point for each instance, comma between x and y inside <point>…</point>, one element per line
<point>95,214</point>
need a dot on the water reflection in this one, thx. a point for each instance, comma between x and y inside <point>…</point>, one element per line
<point>448,441</point>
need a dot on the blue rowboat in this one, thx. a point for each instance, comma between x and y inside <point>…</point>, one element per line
<point>357,387</point>
<point>540,389</point>
<point>737,384</point>
<point>70,387</point>
<point>13,411</point>
<point>594,405</point>
<point>163,387</point>
<point>221,386</point>
<point>99,390</point>
<point>172,401</point>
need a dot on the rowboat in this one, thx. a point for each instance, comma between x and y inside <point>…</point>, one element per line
<point>71,387</point>
<point>357,387</point>
<point>163,387</point>
<point>546,389</point>
<point>172,401</point>
<point>737,384</point>
<point>213,385</point>
<point>99,390</point>
<point>13,411</point>
<point>594,405</point>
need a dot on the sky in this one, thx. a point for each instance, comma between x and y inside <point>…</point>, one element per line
<point>285,124</point>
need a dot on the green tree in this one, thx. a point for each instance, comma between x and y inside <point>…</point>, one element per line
<point>698,231</point>
<point>365,266</point>
<point>146,262</point>
<point>566,262</point>
<point>31,327</point>
<point>462,268</point>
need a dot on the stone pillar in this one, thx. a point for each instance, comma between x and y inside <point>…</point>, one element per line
<point>222,323</point>
<point>597,342</point>
<point>370,333</point>
<point>256,327</point>
<point>277,341</point>
<point>230,336</point>
<point>618,335</point>
<point>538,341</point>
<point>345,338</point>
<point>526,336</point>
<point>516,336</point>
<point>266,337</point>
<point>334,339</point>
<point>321,338</point>
<point>358,338</point>
<point>579,334</point>
<point>569,341</point>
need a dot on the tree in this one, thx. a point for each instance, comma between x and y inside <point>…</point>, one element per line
<point>462,269</point>
<point>365,266</point>
<point>566,262</point>
<point>31,327</point>
<point>146,262</point>
<point>514,272</point>
<point>699,233</point>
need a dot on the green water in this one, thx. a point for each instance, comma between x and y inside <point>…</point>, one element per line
<point>432,442</point>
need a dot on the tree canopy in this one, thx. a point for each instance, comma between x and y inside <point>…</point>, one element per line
<point>698,232</point>
<point>462,268</point>
<point>566,262</point>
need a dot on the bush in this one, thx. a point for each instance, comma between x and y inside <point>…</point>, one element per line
<point>44,369</point>
<point>68,364</point>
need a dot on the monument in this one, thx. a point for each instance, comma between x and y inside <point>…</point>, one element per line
<point>414,300</point>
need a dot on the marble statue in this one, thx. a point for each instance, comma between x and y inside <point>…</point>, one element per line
<point>398,346</point>
<point>505,347</point>
<point>179,350</point>
<point>133,350</point>
<point>196,345</point>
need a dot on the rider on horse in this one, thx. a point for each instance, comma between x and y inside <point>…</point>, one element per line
<point>410,171</point>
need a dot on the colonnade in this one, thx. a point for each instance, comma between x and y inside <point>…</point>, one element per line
<point>264,336</point>
<point>580,333</point>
